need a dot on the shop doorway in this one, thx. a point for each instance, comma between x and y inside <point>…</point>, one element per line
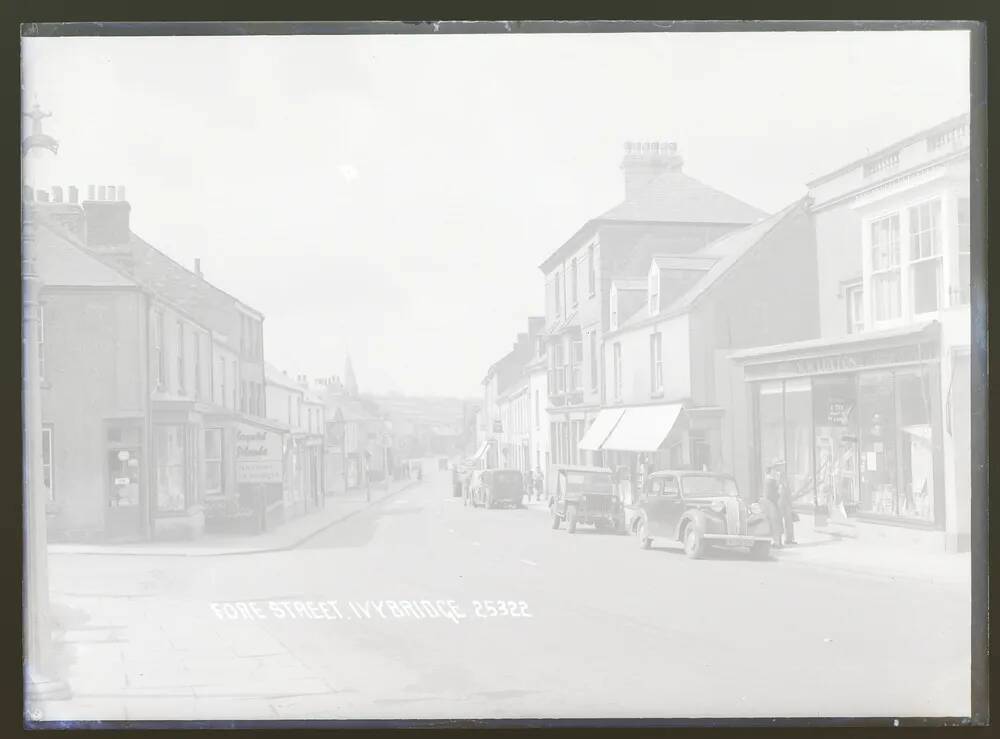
<point>124,489</point>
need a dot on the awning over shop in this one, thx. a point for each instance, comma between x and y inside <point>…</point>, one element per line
<point>600,429</point>
<point>643,429</point>
<point>482,450</point>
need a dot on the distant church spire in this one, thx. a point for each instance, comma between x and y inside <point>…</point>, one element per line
<point>350,382</point>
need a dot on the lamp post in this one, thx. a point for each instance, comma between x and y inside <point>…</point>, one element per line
<point>40,680</point>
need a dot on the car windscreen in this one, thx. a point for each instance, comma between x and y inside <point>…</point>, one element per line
<point>704,486</point>
<point>588,482</point>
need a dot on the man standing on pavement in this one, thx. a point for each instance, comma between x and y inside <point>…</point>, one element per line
<point>785,506</point>
<point>539,483</point>
<point>771,502</point>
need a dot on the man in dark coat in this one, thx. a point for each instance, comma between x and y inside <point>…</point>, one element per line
<point>771,503</point>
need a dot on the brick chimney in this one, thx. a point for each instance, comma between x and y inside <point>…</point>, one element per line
<point>106,219</point>
<point>645,161</point>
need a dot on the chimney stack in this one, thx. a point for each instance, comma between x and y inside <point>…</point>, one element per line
<point>29,194</point>
<point>43,196</point>
<point>90,192</point>
<point>645,161</point>
<point>74,194</point>
<point>106,219</point>
<point>57,194</point>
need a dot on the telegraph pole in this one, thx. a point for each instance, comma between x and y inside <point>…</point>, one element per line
<point>40,682</point>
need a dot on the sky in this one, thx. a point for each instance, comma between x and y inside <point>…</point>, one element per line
<point>392,197</point>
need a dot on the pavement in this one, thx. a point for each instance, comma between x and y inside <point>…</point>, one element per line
<point>420,607</point>
<point>287,535</point>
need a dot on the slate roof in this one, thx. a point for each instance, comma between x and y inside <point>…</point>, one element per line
<point>61,261</point>
<point>727,250</point>
<point>674,197</point>
<point>684,261</point>
<point>275,376</point>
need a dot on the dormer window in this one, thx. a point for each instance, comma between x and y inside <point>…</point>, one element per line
<point>654,290</point>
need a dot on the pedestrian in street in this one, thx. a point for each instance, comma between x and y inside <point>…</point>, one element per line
<point>771,502</point>
<point>539,483</point>
<point>785,507</point>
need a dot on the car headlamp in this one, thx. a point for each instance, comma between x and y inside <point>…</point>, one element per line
<point>756,509</point>
<point>718,506</point>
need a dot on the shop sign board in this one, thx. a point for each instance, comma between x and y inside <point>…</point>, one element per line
<point>259,455</point>
<point>841,363</point>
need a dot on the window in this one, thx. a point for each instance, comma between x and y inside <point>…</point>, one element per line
<point>213,461</point>
<point>557,383</point>
<point>558,291</point>
<point>235,376</point>
<point>591,274</point>
<point>576,365</point>
<point>855,308</point>
<point>180,357</point>
<point>614,310</point>
<point>593,361</point>
<point>654,291</point>
<point>41,342</point>
<point>618,370</point>
<point>964,253</point>
<point>169,441</point>
<point>197,366</point>
<point>243,397</point>
<point>885,268</point>
<point>298,412</point>
<point>288,402</point>
<point>47,465</point>
<point>159,357</point>
<point>925,256</point>
<point>656,363</point>
<point>537,414</point>
<point>574,282</point>
<point>222,381</point>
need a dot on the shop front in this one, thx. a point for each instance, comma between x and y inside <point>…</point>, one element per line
<point>855,425</point>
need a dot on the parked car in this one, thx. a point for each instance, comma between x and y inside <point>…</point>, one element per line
<point>498,488</point>
<point>698,510</point>
<point>586,495</point>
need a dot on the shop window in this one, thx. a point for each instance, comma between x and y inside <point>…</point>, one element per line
<point>877,424</point>
<point>771,425</point>
<point>925,256</point>
<point>799,440</point>
<point>854,295</point>
<point>916,450</point>
<point>47,465</point>
<point>213,462</point>
<point>961,293</point>
<point>159,356</point>
<point>835,422</point>
<point>613,309</point>
<point>885,268</point>
<point>169,444</point>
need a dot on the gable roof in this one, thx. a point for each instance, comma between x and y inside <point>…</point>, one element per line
<point>278,378</point>
<point>674,197</point>
<point>727,251</point>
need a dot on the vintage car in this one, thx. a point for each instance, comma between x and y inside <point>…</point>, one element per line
<point>699,509</point>
<point>497,488</point>
<point>586,495</point>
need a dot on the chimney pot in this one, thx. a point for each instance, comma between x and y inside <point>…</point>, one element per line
<point>73,194</point>
<point>121,192</point>
<point>101,192</point>
<point>197,267</point>
<point>90,192</point>
<point>111,193</point>
<point>43,196</point>
<point>57,194</point>
<point>29,194</point>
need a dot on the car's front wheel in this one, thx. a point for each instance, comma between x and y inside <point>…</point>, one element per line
<point>644,541</point>
<point>694,544</point>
